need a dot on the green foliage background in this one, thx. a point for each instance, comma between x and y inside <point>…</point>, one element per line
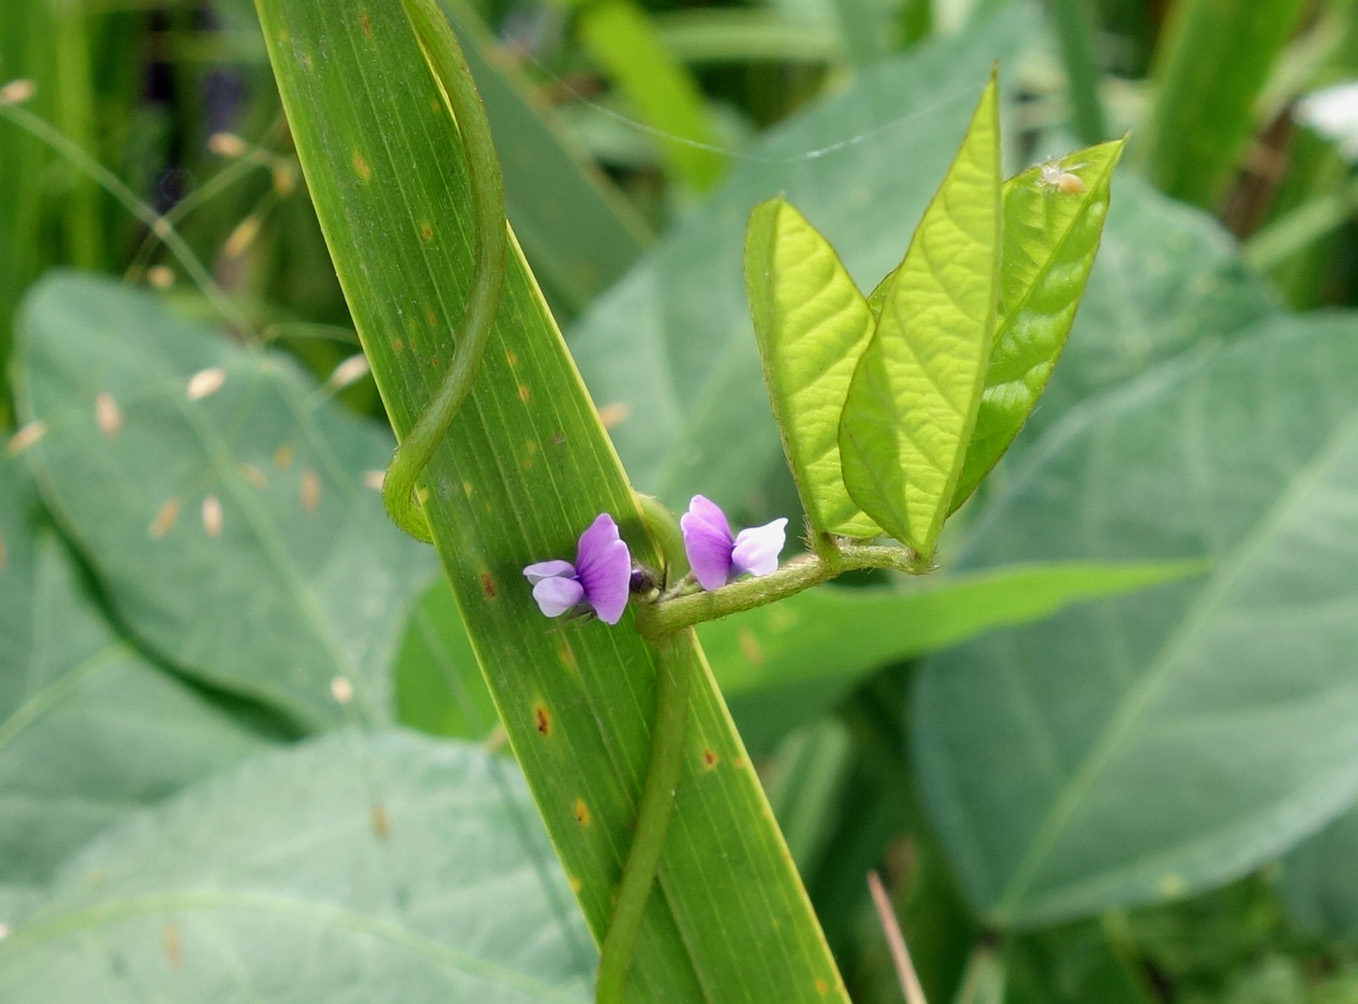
<point>210,781</point>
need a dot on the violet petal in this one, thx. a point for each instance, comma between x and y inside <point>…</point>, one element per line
<point>707,542</point>
<point>757,548</point>
<point>709,512</point>
<point>548,570</point>
<point>556,595</point>
<point>604,565</point>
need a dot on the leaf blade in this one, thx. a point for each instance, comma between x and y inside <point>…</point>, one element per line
<point>1050,240</point>
<point>811,324</point>
<point>913,399</point>
<point>524,468</point>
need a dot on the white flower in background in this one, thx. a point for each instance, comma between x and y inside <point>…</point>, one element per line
<point>1333,113</point>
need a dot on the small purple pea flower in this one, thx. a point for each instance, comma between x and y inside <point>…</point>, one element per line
<point>717,557</point>
<point>600,578</point>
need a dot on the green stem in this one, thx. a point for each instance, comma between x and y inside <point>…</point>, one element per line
<point>445,59</point>
<point>673,682</point>
<point>668,615</point>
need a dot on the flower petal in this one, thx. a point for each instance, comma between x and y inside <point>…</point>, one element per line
<point>548,570</point>
<point>605,568</point>
<point>710,513</point>
<point>556,595</point>
<point>707,542</point>
<point>757,548</point>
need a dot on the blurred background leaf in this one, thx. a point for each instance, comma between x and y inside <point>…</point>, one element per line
<point>90,728</point>
<point>1155,744</point>
<point>232,529</point>
<point>379,867</point>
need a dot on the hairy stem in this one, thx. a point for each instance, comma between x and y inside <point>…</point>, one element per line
<point>669,727</point>
<point>445,59</point>
<point>668,615</point>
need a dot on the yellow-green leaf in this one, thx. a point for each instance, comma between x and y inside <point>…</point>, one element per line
<point>913,399</point>
<point>1052,227</point>
<point>812,325</point>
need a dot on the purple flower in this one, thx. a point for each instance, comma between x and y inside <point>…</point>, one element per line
<point>716,556</point>
<point>600,577</point>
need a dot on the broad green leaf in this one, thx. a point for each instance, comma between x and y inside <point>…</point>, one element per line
<point>523,470</point>
<point>812,324</point>
<point>90,730</point>
<point>1319,884</point>
<point>1155,744</point>
<point>1050,240</point>
<point>298,579</point>
<point>621,39</point>
<point>1211,64</point>
<point>912,403</point>
<point>374,867</point>
<point>670,350</point>
<point>781,665</point>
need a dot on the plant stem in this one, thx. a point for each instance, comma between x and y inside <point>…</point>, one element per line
<point>666,616</point>
<point>669,727</point>
<point>895,939</point>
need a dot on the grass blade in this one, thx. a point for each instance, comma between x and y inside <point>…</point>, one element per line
<point>523,469</point>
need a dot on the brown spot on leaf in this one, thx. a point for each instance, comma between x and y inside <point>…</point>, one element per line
<point>283,457</point>
<point>488,585</point>
<point>512,357</point>
<point>164,519</point>
<point>582,815</point>
<point>542,719</point>
<point>381,821</point>
<point>310,490</point>
<point>366,23</point>
<point>612,415</point>
<point>710,758</point>
<point>107,415</point>
<point>524,393</point>
<point>426,231</point>
<point>25,438</point>
<point>173,945</point>
<point>741,763</point>
<point>749,647</point>
<point>822,987</point>
<point>361,168</point>
<point>254,475</point>
<point>567,654</point>
<point>212,516</point>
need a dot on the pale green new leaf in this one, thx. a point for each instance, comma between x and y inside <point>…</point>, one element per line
<point>525,467</point>
<point>380,867</point>
<point>913,399</point>
<point>812,324</point>
<point>1050,240</point>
